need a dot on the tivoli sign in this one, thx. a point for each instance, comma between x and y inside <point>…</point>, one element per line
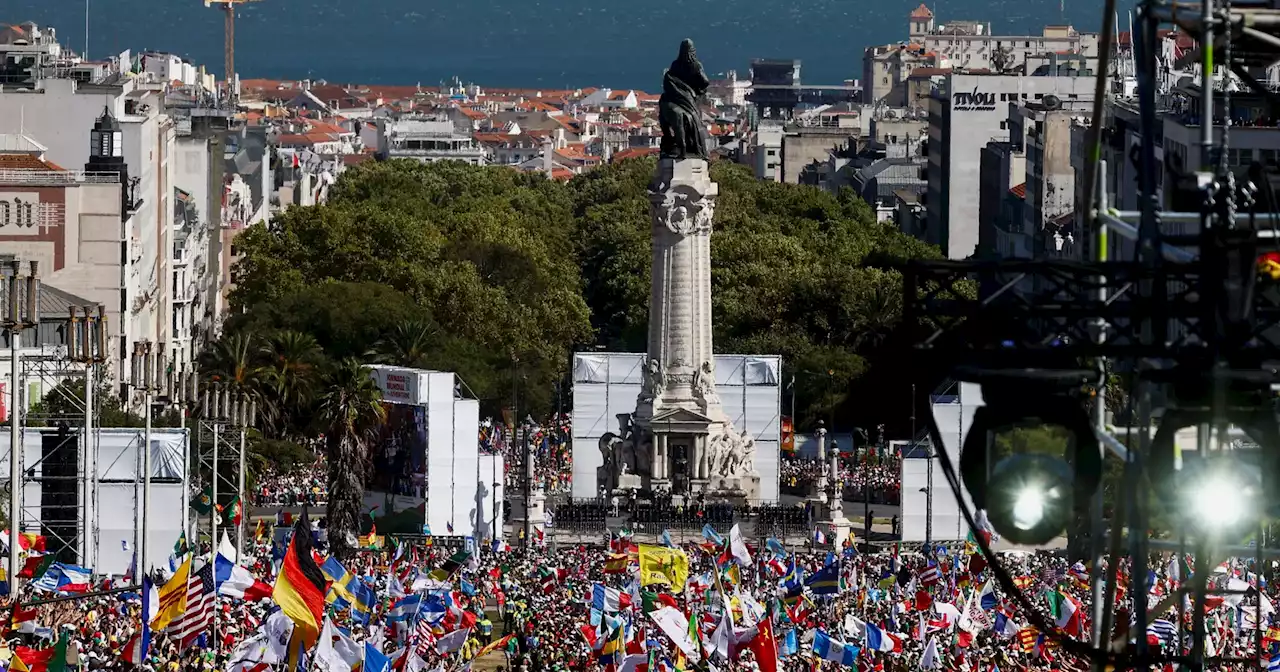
<point>973,101</point>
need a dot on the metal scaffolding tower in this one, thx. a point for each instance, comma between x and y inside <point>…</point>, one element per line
<point>72,374</point>
<point>225,416</point>
<point>1188,323</point>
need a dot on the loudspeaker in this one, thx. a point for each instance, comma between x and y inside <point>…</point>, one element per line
<point>60,493</point>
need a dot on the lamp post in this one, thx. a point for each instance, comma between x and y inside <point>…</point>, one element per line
<point>237,409</point>
<point>87,344</point>
<point>16,321</point>
<point>820,489</point>
<point>146,373</point>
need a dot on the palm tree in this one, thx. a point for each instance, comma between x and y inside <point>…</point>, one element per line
<point>409,344</point>
<point>350,416</point>
<point>290,372</point>
<point>234,360</point>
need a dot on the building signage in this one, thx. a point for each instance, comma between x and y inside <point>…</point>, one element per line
<point>20,211</point>
<point>399,386</point>
<point>973,101</point>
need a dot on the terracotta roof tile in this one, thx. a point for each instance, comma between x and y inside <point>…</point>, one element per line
<point>634,152</point>
<point>26,162</point>
<point>921,12</point>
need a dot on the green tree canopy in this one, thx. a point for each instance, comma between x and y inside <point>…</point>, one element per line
<point>795,271</point>
<point>500,275</point>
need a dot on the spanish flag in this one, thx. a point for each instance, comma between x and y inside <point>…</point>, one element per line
<point>300,589</point>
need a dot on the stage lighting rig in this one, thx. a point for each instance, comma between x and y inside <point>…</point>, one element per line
<point>1030,497</point>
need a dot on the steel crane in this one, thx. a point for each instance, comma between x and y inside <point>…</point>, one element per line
<point>229,63</point>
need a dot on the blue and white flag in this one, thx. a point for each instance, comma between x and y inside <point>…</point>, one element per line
<point>834,650</point>
<point>405,609</point>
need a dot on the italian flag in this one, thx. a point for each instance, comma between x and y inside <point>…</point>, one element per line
<point>1065,610</point>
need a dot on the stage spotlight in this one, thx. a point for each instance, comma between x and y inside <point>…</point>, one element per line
<point>1222,497</point>
<point>1029,496</point>
<point>1172,476</point>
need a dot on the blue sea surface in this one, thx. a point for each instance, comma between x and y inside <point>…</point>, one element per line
<point>520,43</point>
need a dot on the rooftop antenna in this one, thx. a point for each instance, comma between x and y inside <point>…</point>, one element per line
<point>86,30</point>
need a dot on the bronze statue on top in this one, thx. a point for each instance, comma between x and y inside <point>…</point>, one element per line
<point>683,136</point>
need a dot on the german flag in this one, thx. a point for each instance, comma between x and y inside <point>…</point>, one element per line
<point>300,589</point>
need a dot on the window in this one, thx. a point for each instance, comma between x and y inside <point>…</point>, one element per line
<point>1267,156</point>
<point>1004,125</point>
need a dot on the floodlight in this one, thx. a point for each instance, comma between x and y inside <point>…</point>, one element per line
<point>1030,497</point>
<point>1221,496</point>
<point>1175,479</point>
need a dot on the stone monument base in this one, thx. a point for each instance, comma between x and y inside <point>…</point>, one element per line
<point>837,530</point>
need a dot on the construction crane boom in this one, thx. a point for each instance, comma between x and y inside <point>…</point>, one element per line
<point>229,46</point>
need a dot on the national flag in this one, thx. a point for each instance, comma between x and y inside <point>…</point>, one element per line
<point>52,659</point>
<point>23,620</point>
<point>405,608</point>
<point>235,581</point>
<point>1027,639</point>
<point>36,566</point>
<point>879,640</point>
<point>493,646</point>
<point>1065,611</point>
<point>608,600</point>
<point>549,580</point>
<point>931,575</point>
<point>232,513</point>
<point>1162,630</point>
<point>139,646</point>
<point>819,537</point>
<point>825,581</point>
<point>300,589</point>
<point>260,531</point>
<point>27,541</point>
<point>834,650</point>
<point>197,617</point>
<point>173,597</point>
<point>451,566</point>
<point>203,502</point>
<point>765,647</point>
<point>616,563</point>
<point>64,578</point>
<point>709,533</point>
<point>988,596</point>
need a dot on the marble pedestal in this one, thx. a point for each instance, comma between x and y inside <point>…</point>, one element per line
<point>679,438</point>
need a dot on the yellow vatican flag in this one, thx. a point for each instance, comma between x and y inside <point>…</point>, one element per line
<point>659,564</point>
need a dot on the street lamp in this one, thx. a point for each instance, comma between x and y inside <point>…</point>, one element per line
<point>820,489</point>
<point>87,344</point>
<point>146,375</point>
<point>14,324</point>
<point>239,410</point>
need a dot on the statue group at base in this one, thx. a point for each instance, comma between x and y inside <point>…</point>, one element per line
<point>679,438</point>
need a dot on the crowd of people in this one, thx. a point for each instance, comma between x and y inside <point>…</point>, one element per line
<point>880,480</point>
<point>305,484</point>
<point>756,606</point>
<point>552,444</point>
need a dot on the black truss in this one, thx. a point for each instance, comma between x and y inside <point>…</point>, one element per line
<point>984,312</point>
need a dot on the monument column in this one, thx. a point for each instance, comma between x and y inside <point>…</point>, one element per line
<point>678,405</point>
